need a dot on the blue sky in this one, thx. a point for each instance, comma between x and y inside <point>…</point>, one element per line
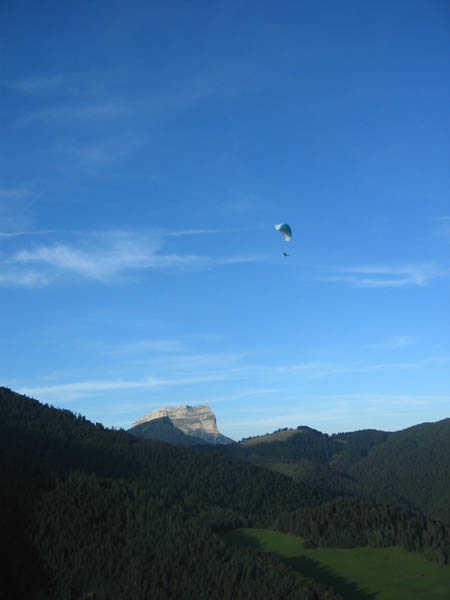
<point>148,150</point>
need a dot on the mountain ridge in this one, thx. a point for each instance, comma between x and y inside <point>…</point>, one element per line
<point>99,497</point>
<point>164,430</point>
<point>197,422</point>
<point>409,468</point>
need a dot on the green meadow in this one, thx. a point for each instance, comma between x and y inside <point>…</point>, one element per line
<point>357,573</point>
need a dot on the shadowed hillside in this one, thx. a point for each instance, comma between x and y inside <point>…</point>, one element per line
<point>88,512</point>
<point>165,431</point>
<point>409,468</point>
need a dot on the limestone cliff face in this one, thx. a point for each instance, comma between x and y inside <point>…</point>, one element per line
<point>198,421</point>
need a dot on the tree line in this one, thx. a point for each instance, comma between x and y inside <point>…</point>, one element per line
<point>88,512</point>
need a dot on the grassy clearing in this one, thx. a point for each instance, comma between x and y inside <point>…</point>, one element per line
<point>357,573</point>
<point>278,436</point>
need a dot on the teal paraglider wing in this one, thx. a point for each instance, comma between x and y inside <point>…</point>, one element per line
<point>285,231</point>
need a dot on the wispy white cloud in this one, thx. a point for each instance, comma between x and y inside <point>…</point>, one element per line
<point>377,276</point>
<point>245,394</point>
<point>82,389</point>
<point>11,234</point>
<point>75,86</point>
<point>300,417</point>
<point>104,94</point>
<point>166,346</point>
<point>104,151</point>
<point>14,193</point>
<point>225,367</point>
<point>399,341</point>
<point>219,362</point>
<point>335,413</point>
<point>400,399</point>
<point>29,279</point>
<point>241,204</point>
<point>37,84</point>
<point>322,369</point>
<point>184,232</point>
<point>444,226</point>
<point>114,256</point>
<point>319,369</point>
<point>101,110</point>
<point>331,412</point>
<point>16,208</point>
<point>108,256</point>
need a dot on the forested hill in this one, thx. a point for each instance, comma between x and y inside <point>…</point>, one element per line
<point>307,443</point>
<point>165,431</point>
<point>409,468</point>
<point>413,463</point>
<point>46,439</point>
<point>87,512</point>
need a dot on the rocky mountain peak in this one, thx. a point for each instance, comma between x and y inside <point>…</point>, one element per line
<point>198,421</point>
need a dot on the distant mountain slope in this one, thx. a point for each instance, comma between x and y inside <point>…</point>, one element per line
<point>195,421</point>
<point>88,512</point>
<point>413,463</point>
<point>305,442</point>
<point>356,445</point>
<point>409,468</point>
<point>165,431</point>
<point>289,444</point>
<point>45,438</point>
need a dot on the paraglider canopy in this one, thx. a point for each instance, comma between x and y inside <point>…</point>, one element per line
<point>285,231</point>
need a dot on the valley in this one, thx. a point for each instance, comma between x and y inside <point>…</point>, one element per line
<point>92,512</point>
<point>357,573</point>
